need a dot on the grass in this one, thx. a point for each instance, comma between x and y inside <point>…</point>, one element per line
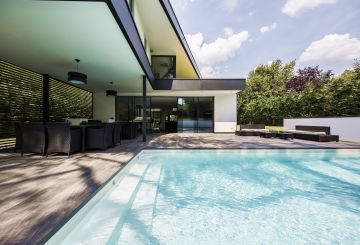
<point>275,128</point>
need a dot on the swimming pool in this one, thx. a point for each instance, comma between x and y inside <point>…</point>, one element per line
<point>225,197</point>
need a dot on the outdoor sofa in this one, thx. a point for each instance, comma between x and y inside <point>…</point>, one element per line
<point>314,133</point>
<point>251,129</point>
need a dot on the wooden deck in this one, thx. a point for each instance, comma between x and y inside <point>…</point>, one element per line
<point>36,193</point>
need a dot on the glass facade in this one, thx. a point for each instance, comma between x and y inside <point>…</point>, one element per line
<point>195,114</point>
<point>129,108</point>
<point>169,114</point>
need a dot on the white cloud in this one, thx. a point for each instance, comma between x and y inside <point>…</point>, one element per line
<point>182,3</point>
<point>228,31</point>
<point>264,29</point>
<point>229,5</point>
<point>208,55</point>
<point>292,7</point>
<point>332,47</point>
<point>251,13</point>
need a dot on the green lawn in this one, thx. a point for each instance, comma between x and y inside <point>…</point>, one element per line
<point>275,128</point>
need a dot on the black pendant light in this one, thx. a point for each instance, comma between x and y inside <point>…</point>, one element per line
<point>75,76</point>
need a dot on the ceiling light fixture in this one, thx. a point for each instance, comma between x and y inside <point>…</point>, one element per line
<point>75,76</point>
<point>111,92</point>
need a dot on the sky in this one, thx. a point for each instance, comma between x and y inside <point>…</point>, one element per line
<point>229,38</point>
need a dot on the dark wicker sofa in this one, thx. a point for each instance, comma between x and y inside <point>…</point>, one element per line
<point>314,133</point>
<point>251,129</point>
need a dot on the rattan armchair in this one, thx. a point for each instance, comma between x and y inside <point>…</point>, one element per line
<point>33,138</point>
<point>100,137</point>
<point>62,138</point>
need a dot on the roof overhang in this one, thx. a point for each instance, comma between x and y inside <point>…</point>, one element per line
<point>46,37</point>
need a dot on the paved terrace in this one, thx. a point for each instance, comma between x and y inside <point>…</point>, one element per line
<point>36,192</point>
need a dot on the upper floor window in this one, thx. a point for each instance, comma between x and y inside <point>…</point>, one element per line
<point>163,66</point>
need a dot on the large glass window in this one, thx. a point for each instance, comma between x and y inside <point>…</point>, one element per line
<point>169,114</point>
<point>163,67</point>
<point>187,114</point>
<point>205,110</point>
<point>195,114</point>
<point>129,108</point>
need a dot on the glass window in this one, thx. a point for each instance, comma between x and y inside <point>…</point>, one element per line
<point>187,114</point>
<point>163,67</point>
<point>205,114</point>
<point>122,108</point>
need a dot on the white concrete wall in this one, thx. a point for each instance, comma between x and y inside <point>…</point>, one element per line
<point>104,106</point>
<point>225,113</point>
<point>348,128</point>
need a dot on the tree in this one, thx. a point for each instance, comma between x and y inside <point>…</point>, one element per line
<point>261,102</point>
<point>306,76</point>
<point>273,92</point>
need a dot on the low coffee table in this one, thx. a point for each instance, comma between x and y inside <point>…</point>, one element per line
<point>268,134</point>
<point>285,135</point>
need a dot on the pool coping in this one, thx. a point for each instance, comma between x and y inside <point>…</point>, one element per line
<point>123,170</point>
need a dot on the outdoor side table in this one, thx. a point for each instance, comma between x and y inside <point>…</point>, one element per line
<point>284,135</point>
<point>268,134</point>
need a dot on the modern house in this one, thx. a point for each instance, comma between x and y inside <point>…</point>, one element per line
<point>133,53</point>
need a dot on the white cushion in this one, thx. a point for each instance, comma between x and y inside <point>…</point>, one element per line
<point>306,132</point>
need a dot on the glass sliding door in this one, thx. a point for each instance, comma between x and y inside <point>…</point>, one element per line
<point>195,114</point>
<point>187,114</point>
<point>169,114</point>
<point>205,110</point>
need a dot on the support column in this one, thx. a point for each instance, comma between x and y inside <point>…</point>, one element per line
<point>46,106</point>
<point>144,110</point>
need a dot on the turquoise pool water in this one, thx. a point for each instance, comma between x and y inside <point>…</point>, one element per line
<point>229,197</point>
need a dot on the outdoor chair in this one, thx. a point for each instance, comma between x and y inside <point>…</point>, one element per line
<point>129,130</point>
<point>62,138</point>
<point>33,138</point>
<point>156,127</point>
<point>117,133</point>
<point>100,137</point>
<point>18,137</point>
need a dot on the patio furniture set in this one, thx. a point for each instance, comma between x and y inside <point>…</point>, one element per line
<point>312,133</point>
<point>47,138</point>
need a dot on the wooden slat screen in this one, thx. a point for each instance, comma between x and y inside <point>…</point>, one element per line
<point>68,101</point>
<point>20,99</point>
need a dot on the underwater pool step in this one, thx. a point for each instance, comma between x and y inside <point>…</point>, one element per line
<point>104,220</point>
<point>138,223</point>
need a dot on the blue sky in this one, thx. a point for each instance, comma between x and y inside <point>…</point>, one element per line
<point>229,38</point>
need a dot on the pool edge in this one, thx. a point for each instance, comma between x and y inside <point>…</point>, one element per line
<point>107,184</point>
